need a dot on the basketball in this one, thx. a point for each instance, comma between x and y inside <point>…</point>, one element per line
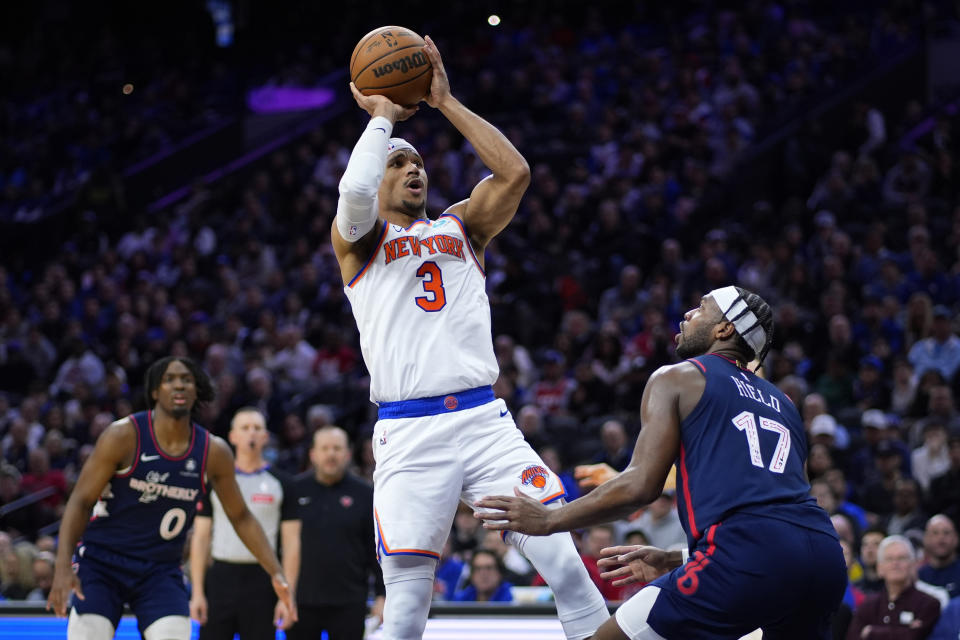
<point>390,62</point>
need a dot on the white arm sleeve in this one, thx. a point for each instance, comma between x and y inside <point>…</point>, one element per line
<point>357,206</point>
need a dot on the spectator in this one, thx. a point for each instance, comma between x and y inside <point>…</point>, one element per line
<point>941,565</point>
<point>659,522</point>
<point>594,539</point>
<point>944,496</point>
<point>616,448</point>
<point>42,577</point>
<point>870,581</point>
<point>40,476</point>
<point>941,351</point>
<point>948,626</point>
<point>908,514</point>
<point>932,459</point>
<point>486,582</point>
<point>900,610</point>
<point>25,520</point>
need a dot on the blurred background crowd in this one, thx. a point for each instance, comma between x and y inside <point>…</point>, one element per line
<point>793,147</point>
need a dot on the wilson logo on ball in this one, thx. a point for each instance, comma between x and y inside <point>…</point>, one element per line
<point>404,64</point>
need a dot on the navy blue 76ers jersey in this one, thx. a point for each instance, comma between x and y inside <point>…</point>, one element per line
<point>146,510</point>
<point>742,450</point>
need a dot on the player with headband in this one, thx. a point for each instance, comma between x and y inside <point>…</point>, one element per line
<point>761,553</point>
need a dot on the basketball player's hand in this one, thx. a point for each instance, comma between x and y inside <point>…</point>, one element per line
<point>641,563</point>
<point>285,613</point>
<point>591,476</point>
<point>522,514</point>
<point>281,620</point>
<point>440,85</point>
<point>382,106</point>
<point>64,581</point>
<point>198,607</point>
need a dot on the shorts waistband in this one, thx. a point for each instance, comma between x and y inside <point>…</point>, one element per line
<point>436,405</point>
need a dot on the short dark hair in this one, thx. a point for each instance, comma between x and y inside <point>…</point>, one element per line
<point>492,554</point>
<point>764,314</point>
<point>206,392</point>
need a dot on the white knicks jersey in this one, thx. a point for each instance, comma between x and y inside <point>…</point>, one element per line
<point>421,307</point>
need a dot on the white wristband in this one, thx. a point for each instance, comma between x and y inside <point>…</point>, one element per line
<point>685,555</point>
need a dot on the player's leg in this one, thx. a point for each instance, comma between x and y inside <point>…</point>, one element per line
<point>498,459</point>
<point>409,584</point>
<point>89,626</point>
<point>416,487</point>
<point>161,604</point>
<point>580,606</point>
<point>97,615</point>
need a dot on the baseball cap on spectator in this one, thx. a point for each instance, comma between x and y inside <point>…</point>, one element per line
<point>872,361</point>
<point>823,425</point>
<point>874,418</point>
<point>940,311</point>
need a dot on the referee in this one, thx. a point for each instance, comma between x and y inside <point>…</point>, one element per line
<point>235,595</point>
<point>340,560</point>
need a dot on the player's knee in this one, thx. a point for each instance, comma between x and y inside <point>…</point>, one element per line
<point>88,626</point>
<point>403,568</point>
<point>633,615</point>
<point>168,628</point>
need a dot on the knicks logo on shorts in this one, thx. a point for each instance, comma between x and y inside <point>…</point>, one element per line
<point>535,475</point>
<point>451,403</point>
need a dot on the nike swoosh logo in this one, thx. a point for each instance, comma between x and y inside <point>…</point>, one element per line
<point>379,129</point>
<point>504,412</point>
<point>145,458</point>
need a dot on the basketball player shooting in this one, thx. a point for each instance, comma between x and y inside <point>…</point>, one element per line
<point>417,291</point>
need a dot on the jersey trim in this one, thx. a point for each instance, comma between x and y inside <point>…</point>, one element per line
<point>376,250</point>
<point>136,455</point>
<point>382,545</point>
<point>686,493</point>
<point>463,230</point>
<point>699,364</point>
<point>203,462</point>
<point>153,436</point>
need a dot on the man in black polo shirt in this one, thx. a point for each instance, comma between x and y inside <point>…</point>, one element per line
<point>234,594</point>
<point>339,557</point>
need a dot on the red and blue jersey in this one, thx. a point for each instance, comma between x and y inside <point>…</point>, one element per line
<point>146,509</point>
<point>742,450</point>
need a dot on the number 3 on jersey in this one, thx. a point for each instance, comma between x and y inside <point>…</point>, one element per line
<point>436,297</point>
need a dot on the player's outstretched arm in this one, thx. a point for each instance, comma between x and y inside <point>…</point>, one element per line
<point>494,201</point>
<point>354,230</point>
<point>639,484</point>
<point>114,449</point>
<point>221,474</point>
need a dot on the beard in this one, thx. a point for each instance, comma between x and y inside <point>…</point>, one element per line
<point>180,412</point>
<point>414,208</point>
<point>694,344</point>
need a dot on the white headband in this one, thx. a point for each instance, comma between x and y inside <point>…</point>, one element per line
<point>735,309</point>
<point>396,144</point>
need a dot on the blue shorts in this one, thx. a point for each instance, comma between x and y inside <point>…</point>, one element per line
<point>752,572</point>
<point>152,589</point>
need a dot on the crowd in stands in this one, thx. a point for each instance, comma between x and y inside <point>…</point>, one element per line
<point>632,131</point>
